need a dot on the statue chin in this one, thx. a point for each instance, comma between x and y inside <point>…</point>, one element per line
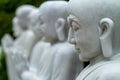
<point>83,59</point>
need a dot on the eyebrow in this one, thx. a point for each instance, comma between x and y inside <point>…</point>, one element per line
<point>71,19</point>
<point>41,18</point>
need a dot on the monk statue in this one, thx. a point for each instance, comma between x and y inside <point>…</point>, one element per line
<point>57,61</point>
<point>25,39</point>
<point>94,30</point>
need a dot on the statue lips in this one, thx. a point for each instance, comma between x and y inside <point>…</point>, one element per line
<point>78,50</point>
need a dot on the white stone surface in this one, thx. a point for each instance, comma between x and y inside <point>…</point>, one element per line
<point>18,51</point>
<point>55,62</point>
<point>94,32</point>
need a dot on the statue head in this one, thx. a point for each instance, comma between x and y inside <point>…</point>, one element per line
<point>95,27</point>
<point>34,22</point>
<point>21,20</point>
<point>52,16</point>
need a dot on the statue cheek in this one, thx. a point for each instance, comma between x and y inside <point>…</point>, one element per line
<point>43,28</point>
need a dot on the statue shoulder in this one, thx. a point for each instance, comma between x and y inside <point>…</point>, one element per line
<point>26,36</point>
<point>41,45</point>
<point>110,71</point>
<point>66,49</point>
<point>29,33</point>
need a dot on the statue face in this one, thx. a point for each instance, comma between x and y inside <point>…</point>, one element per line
<point>85,38</point>
<point>35,22</point>
<point>50,14</point>
<point>47,27</point>
<point>17,29</point>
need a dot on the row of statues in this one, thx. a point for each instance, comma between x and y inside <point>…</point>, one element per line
<point>54,40</point>
<point>41,50</point>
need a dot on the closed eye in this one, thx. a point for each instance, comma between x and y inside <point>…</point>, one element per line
<point>75,26</point>
<point>73,23</point>
<point>40,20</point>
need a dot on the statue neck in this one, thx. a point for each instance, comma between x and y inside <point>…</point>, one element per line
<point>99,58</point>
<point>115,57</point>
<point>38,36</point>
<point>51,40</point>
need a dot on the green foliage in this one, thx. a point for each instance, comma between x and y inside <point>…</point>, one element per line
<point>7,10</point>
<point>3,71</point>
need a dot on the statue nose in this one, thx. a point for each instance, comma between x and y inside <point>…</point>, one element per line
<point>72,41</point>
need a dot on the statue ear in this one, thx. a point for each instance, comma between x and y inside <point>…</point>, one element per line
<point>106,31</point>
<point>60,26</point>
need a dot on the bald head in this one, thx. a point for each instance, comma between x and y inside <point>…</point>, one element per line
<point>24,10</point>
<point>94,9</point>
<point>50,12</point>
<point>21,20</point>
<point>91,12</point>
<point>56,9</point>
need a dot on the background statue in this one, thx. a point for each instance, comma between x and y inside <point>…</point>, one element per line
<point>22,44</point>
<point>27,38</point>
<point>51,62</point>
<point>94,32</point>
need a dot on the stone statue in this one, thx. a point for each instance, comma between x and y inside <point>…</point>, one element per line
<point>57,60</point>
<point>22,46</point>
<point>27,38</point>
<point>95,27</point>
<point>21,20</point>
<point>7,41</point>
